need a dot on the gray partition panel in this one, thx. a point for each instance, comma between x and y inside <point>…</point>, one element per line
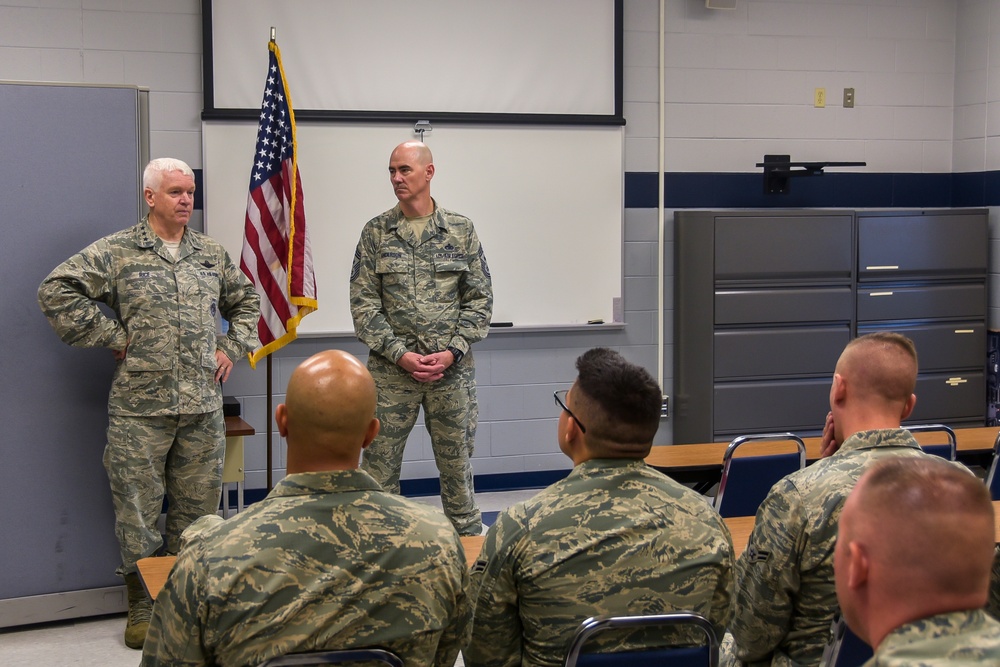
<point>70,175</point>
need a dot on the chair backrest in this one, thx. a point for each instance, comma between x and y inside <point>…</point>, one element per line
<point>335,658</point>
<point>992,478</point>
<point>746,480</point>
<point>948,449</point>
<point>697,656</point>
<point>845,649</point>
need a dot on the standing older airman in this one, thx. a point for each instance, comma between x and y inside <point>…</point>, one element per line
<point>167,285</point>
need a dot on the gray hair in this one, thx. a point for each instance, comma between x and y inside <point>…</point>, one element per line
<point>152,175</point>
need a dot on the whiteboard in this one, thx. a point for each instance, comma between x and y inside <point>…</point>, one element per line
<point>547,203</point>
<point>513,56</point>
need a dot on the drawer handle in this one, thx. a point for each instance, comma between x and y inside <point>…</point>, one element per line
<point>886,267</point>
<point>965,331</point>
<point>954,382</point>
<point>880,294</point>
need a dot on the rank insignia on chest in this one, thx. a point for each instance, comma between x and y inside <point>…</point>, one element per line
<point>755,555</point>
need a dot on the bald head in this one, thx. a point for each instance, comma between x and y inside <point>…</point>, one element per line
<point>328,415</point>
<point>921,531</point>
<point>415,152</point>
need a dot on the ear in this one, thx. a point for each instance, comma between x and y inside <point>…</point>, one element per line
<point>839,389</point>
<point>370,433</point>
<point>147,194</point>
<point>911,402</point>
<point>858,566</point>
<point>281,419</point>
<point>430,171</point>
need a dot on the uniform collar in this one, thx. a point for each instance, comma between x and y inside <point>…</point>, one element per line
<point>397,217</point>
<point>883,437</point>
<point>145,237</point>
<point>327,481</point>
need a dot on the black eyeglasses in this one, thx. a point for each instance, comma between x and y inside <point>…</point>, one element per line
<point>560,397</point>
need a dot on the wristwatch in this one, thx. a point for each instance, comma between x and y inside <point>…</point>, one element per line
<point>457,353</point>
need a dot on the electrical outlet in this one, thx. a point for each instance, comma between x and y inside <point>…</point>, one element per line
<point>848,98</point>
<point>819,101</point>
<point>665,408</point>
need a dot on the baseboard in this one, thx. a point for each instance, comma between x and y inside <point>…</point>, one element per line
<point>63,606</point>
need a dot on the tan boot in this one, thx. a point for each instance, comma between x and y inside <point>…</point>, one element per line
<point>139,609</point>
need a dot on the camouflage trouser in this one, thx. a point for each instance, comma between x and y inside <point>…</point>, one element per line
<point>450,415</point>
<point>149,457</point>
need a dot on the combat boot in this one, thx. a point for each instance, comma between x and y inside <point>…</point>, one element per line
<point>139,609</point>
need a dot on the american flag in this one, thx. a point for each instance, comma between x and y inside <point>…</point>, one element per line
<point>277,256</point>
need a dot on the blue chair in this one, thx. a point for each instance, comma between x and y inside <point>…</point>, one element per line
<point>845,649</point>
<point>706,655</point>
<point>992,478</point>
<point>335,658</point>
<point>746,480</point>
<point>947,450</point>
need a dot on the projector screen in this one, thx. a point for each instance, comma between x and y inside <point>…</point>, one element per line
<point>543,61</point>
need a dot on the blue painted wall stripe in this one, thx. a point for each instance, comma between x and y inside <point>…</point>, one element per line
<point>846,190</point>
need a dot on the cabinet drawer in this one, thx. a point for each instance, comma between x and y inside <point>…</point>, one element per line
<point>765,306</point>
<point>943,397</point>
<point>784,247</point>
<point>936,243</point>
<point>926,302</point>
<point>775,352</point>
<point>943,346</point>
<point>787,405</point>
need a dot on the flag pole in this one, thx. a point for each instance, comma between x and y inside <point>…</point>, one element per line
<point>270,394</point>
<point>270,429</point>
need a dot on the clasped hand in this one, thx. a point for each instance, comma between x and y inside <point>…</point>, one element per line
<point>426,368</point>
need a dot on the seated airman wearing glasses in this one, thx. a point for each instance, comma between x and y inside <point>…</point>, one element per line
<point>614,537</point>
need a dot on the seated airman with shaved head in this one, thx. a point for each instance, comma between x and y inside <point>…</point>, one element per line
<point>327,561</point>
<point>913,564</point>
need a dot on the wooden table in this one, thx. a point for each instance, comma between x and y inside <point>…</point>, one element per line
<point>154,570</point>
<point>702,463</point>
<point>740,528</point>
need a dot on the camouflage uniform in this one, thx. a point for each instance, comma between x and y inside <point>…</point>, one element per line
<point>993,604</point>
<point>327,561</point>
<point>961,638</point>
<point>614,537</point>
<point>423,294</point>
<point>166,433</point>
<point>785,596</point>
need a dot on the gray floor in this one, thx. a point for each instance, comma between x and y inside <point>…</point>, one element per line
<point>97,642</point>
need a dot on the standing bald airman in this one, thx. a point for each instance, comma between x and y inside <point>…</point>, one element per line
<point>421,295</point>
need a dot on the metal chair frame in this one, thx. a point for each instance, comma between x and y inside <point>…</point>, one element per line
<point>335,657</point>
<point>936,449</point>
<point>596,624</point>
<point>992,479</point>
<point>727,461</point>
<point>845,649</point>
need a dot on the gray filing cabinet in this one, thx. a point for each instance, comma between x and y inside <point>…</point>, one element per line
<point>924,274</point>
<point>766,300</point>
